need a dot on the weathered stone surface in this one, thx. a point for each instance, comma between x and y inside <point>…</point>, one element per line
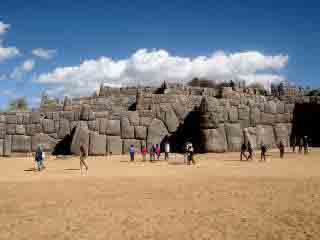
<point>11,119</point>
<point>234,136</point>
<point>19,119</point>
<point>113,128</point>
<point>114,145</point>
<point>283,132</point>
<point>20,130</point>
<point>64,128</point>
<point>7,145</point>
<point>233,114</point>
<point>209,120</point>
<point>1,147</point>
<point>255,116</point>
<point>103,123</point>
<point>86,113</point>
<point>3,130</point>
<point>145,121</point>
<point>267,118</point>
<point>35,117</point>
<point>128,142</point>
<point>48,143</point>
<point>48,126</point>
<point>280,107</point>
<point>244,112</point>
<point>3,118</point>
<point>93,125</point>
<point>26,119</point>
<point>265,134</point>
<point>157,131</point>
<point>55,116</point>
<point>140,132</point>
<point>33,129</point>
<point>21,143</point>
<point>270,107</point>
<point>134,118</point>
<point>215,139</point>
<point>289,108</point>
<point>80,137</point>
<point>127,131</point>
<point>69,115</point>
<point>98,144</point>
<point>103,114</point>
<point>171,120</point>
<point>11,129</point>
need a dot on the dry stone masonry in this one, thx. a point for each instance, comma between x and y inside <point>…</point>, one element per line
<point>117,118</point>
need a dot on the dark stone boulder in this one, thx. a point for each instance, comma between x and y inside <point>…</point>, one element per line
<point>214,140</point>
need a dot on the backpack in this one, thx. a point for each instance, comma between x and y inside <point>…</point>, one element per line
<point>38,156</point>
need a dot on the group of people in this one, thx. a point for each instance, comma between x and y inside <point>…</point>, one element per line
<point>154,152</point>
<point>302,144</point>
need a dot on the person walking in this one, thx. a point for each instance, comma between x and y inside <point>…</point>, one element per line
<point>186,152</point>
<point>39,157</point>
<point>305,145</point>
<point>263,152</point>
<point>294,142</point>
<point>158,151</point>
<point>300,144</point>
<point>144,151</point>
<point>191,154</point>
<point>152,153</point>
<point>281,148</point>
<point>166,150</point>
<point>243,152</point>
<point>131,151</point>
<point>250,151</point>
<point>83,156</point>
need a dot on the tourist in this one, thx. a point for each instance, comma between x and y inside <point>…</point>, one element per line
<point>158,151</point>
<point>263,152</point>
<point>281,148</point>
<point>83,156</point>
<point>294,144</point>
<point>144,151</point>
<point>39,157</point>
<point>250,151</point>
<point>305,145</point>
<point>166,150</point>
<point>243,151</point>
<point>190,154</point>
<point>131,151</point>
<point>152,153</point>
<point>186,152</point>
<point>300,144</point>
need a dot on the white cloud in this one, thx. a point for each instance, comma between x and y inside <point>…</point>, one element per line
<point>44,53</point>
<point>8,52</point>
<point>152,67</point>
<point>4,27</point>
<point>25,67</point>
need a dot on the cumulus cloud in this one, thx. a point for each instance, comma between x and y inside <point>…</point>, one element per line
<point>44,53</point>
<point>151,67</point>
<point>26,67</point>
<point>4,27</point>
<point>6,52</point>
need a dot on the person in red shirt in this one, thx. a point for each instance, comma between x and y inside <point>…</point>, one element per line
<point>144,153</point>
<point>158,151</point>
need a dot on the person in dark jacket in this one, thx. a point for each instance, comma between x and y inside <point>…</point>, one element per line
<point>250,151</point>
<point>263,152</point>
<point>281,148</point>
<point>39,157</point>
<point>243,152</point>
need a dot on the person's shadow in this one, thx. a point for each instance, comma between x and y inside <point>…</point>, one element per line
<point>31,170</point>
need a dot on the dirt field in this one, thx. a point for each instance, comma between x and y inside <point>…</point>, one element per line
<point>219,198</point>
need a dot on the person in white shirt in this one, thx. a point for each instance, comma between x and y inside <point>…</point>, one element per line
<point>166,150</point>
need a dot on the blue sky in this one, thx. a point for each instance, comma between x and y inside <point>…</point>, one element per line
<point>283,35</point>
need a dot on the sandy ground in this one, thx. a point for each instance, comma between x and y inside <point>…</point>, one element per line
<point>219,198</point>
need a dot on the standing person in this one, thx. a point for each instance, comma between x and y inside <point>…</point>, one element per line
<point>186,152</point>
<point>281,148</point>
<point>294,140</point>
<point>300,144</point>
<point>263,151</point>
<point>83,156</point>
<point>144,153</point>
<point>166,150</point>
<point>152,152</point>
<point>191,154</point>
<point>250,151</point>
<point>39,156</point>
<point>305,145</point>
<point>131,151</point>
<point>243,151</point>
<point>158,151</point>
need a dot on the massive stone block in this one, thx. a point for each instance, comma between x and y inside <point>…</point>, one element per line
<point>114,145</point>
<point>20,130</point>
<point>214,140</point>
<point>255,116</point>
<point>48,143</point>
<point>11,129</point>
<point>209,120</point>
<point>69,115</point>
<point>98,144</point>
<point>140,132</point>
<point>1,146</point>
<point>103,123</point>
<point>20,119</point>
<point>26,119</point>
<point>3,118</point>
<point>86,113</point>
<point>280,107</point>
<point>171,120</point>
<point>145,121</point>
<point>267,118</point>
<point>64,128</point>
<point>265,134</point>
<point>270,107</point>
<point>103,114</point>
<point>48,126</point>
<point>282,133</point>
<point>233,114</point>
<point>33,129</point>
<point>244,112</point>
<point>234,136</point>
<point>128,142</point>
<point>93,125</point>
<point>289,107</point>
<point>7,145</point>
<point>113,128</point>
<point>35,117</point>
<point>3,130</point>
<point>127,131</point>
<point>21,143</point>
<point>134,118</point>
<point>11,119</point>
<point>157,131</point>
<point>80,137</point>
